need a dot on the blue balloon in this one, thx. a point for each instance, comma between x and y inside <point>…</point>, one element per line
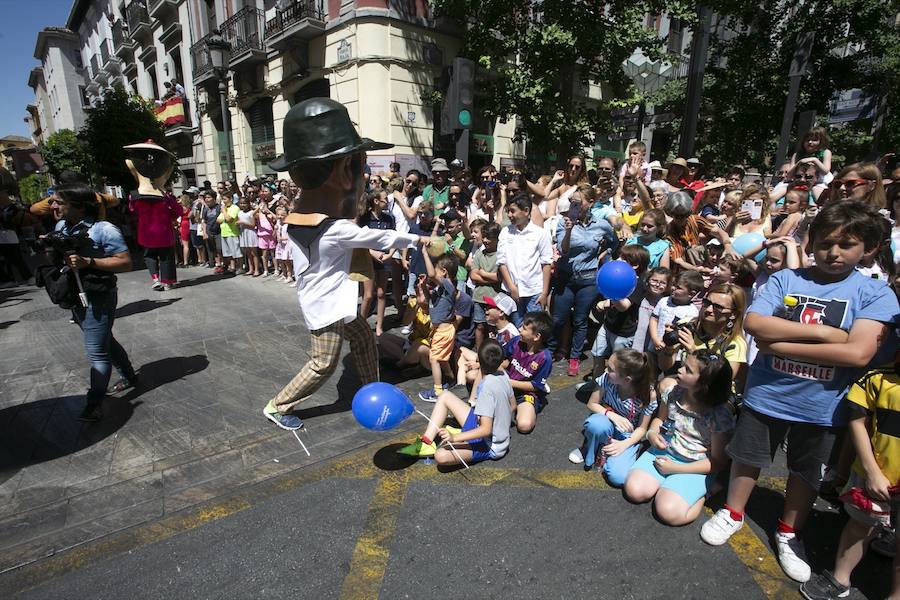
<point>616,280</point>
<point>747,241</point>
<point>380,406</point>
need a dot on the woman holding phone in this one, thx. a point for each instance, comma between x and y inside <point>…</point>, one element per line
<point>584,243</point>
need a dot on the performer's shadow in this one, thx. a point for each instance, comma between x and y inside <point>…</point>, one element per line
<point>346,387</point>
<point>48,429</point>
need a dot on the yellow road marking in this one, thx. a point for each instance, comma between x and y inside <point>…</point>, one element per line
<point>370,556</point>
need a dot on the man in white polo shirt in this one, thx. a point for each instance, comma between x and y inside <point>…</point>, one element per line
<point>524,256</point>
<point>325,157</point>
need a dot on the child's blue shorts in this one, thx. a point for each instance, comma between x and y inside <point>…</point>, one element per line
<point>690,486</point>
<point>481,447</point>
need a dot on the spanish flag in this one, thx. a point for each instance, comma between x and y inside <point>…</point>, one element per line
<point>171,111</point>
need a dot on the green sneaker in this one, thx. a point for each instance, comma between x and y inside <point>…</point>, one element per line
<point>419,449</point>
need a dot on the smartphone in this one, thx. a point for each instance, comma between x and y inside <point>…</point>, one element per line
<point>574,212</point>
<point>754,207</point>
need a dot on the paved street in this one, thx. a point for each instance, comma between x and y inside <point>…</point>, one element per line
<point>186,491</point>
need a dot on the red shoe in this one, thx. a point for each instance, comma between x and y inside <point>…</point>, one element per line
<point>574,365</point>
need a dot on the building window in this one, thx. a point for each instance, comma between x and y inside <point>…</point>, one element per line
<point>676,36</point>
<point>262,133</point>
<point>85,100</point>
<point>76,60</point>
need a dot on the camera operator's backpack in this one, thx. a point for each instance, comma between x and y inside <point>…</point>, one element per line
<point>59,283</point>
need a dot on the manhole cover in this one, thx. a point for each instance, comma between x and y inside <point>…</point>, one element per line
<point>52,313</point>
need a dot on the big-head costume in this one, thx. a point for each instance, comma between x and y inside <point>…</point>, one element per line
<point>317,131</point>
<point>151,165</point>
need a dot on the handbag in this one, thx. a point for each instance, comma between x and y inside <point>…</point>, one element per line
<point>59,283</point>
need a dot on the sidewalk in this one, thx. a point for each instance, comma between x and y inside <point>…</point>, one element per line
<point>209,355</point>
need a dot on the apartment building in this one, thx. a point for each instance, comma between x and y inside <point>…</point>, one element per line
<point>140,46</point>
<point>58,84</point>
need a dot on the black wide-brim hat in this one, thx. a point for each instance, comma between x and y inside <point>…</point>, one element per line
<point>319,129</point>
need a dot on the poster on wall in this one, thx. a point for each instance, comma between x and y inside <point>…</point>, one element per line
<point>380,163</point>
<point>414,161</point>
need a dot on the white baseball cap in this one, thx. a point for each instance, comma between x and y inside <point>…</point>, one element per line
<point>502,302</point>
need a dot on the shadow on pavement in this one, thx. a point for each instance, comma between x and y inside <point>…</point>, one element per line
<point>202,279</point>
<point>387,458</point>
<point>48,429</point>
<point>142,306</point>
<point>5,324</point>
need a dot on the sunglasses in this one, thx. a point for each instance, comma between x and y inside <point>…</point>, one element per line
<point>716,307</point>
<point>604,169</point>
<point>807,176</point>
<point>850,184</point>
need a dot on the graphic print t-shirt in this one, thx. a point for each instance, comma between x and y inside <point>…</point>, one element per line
<point>808,392</point>
<point>524,366</point>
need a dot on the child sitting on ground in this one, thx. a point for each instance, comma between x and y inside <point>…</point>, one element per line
<point>485,430</point>
<point>678,470</point>
<point>874,484</point>
<point>499,308</point>
<point>529,367</point>
<point>622,408</point>
<point>443,320</point>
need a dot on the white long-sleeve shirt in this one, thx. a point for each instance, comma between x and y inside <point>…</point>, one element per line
<point>325,291</point>
<point>524,253</point>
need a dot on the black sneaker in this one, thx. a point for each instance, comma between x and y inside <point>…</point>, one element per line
<point>823,587</point>
<point>92,412</point>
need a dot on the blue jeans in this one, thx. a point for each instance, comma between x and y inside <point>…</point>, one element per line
<point>580,293</point>
<point>102,349</point>
<point>526,304</point>
<point>598,430</point>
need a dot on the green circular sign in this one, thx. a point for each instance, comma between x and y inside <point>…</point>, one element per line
<point>465,118</point>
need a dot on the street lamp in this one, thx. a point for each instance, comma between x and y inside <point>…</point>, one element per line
<point>219,49</point>
<point>648,76</point>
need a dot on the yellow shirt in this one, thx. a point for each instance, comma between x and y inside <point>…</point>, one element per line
<point>878,392</point>
<point>735,352</point>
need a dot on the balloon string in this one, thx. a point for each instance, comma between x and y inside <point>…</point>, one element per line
<point>427,418</point>
<point>294,431</point>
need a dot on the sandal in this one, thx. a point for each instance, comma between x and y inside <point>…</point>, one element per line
<point>121,385</point>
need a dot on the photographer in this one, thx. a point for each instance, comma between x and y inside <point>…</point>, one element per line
<point>719,330</point>
<point>99,251</point>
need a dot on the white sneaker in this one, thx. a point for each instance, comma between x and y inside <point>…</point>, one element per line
<point>719,528</point>
<point>575,456</point>
<point>792,556</point>
<point>407,329</point>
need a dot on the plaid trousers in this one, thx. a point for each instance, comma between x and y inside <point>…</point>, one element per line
<point>323,360</point>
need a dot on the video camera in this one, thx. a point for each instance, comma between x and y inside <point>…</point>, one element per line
<point>60,243</point>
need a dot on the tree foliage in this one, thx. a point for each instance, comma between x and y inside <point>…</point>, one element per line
<point>118,120</point>
<point>745,88</point>
<point>33,188</point>
<point>63,151</point>
<point>537,60</point>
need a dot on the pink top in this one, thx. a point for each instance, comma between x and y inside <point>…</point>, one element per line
<point>155,217</point>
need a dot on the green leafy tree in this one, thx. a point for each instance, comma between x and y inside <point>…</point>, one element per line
<point>63,151</point>
<point>537,60</point>
<point>118,120</point>
<point>746,80</point>
<point>33,188</point>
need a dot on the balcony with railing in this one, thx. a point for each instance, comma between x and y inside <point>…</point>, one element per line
<point>109,62</point>
<point>299,20</point>
<point>244,31</point>
<point>122,42</point>
<point>138,19</point>
<point>202,60</point>
<point>159,9</point>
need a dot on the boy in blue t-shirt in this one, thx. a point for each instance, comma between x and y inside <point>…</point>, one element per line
<point>817,329</point>
<point>529,365</point>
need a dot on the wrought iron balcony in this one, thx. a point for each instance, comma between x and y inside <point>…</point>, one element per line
<point>300,20</point>
<point>122,42</point>
<point>244,31</point>
<point>160,8</point>
<point>138,19</point>
<point>202,60</point>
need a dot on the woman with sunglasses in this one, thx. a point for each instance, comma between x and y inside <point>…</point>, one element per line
<point>859,181</point>
<point>719,330</point>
